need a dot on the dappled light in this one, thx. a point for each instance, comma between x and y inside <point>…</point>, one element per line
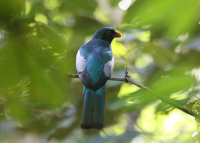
<point>41,18</point>
<point>124,4</point>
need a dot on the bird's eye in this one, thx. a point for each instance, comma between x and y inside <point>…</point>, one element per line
<point>108,33</point>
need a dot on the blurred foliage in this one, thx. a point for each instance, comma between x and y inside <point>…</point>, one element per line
<point>39,40</point>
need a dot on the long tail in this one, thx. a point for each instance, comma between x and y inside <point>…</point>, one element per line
<point>93,108</point>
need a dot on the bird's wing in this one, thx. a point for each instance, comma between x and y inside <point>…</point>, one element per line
<point>81,68</point>
<point>106,74</point>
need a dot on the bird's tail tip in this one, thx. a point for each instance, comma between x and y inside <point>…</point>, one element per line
<point>96,126</point>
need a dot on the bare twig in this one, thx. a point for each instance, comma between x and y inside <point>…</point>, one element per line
<point>128,79</point>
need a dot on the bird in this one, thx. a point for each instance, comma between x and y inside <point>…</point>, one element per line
<point>94,64</point>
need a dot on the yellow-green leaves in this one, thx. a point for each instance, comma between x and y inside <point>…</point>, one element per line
<point>118,49</point>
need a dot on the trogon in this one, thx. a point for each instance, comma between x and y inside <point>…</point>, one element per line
<point>94,64</point>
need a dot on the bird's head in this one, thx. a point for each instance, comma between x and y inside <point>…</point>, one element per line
<point>106,33</point>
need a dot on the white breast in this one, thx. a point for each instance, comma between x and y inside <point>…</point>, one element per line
<point>80,62</point>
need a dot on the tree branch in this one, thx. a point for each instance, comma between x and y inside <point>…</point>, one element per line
<point>128,79</point>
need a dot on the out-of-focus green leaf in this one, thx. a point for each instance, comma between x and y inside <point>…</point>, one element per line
<point>131,101</point>
<point>164,108</point>
<point>196,104</point>
<point>163,15</point>
<point>10,9</point>
<point>78,6</point>
<point>167,86</point>
<point>162,57</point>
<point>9,68</point>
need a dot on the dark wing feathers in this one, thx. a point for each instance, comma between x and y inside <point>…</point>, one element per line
<point>86,80</point>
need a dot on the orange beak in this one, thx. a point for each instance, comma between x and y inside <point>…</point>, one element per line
<point>117,34</point>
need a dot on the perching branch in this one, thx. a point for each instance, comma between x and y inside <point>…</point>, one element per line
<point>128,79</point>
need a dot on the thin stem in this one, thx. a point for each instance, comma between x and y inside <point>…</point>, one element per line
<point>128,79</point>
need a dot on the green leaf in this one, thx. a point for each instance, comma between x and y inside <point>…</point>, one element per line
<point>196,103</point>
<point>163,16</point>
